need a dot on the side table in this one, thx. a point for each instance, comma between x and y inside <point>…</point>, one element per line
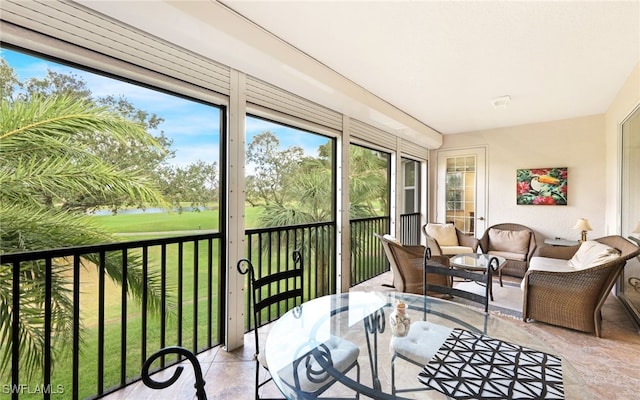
<point>479,262</point>
<point>561,242</point>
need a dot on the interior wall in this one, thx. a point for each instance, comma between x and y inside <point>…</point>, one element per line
<point>627,99</point>
<point>578,144</point>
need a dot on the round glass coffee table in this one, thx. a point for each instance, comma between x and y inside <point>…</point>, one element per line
<point>486,263</point>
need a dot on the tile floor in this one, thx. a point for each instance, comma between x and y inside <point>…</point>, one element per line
<point>609,366</point>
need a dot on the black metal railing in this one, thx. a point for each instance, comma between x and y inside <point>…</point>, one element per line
<point>270,249</point>
<point>410,228</point>
<point>367,255</point>
<point>119,327</point>
<point>184,308</point>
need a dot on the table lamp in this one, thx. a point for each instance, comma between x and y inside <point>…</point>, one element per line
<point>583,226</point>
<point>637,230</point>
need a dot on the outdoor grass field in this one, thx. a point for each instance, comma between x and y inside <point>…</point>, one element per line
<point>194,299</point>
<point>169,222</point>
<point>142,226</point>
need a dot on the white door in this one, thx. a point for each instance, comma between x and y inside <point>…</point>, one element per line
<point>461,189</point>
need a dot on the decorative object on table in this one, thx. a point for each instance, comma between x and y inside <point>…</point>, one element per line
<point>541,186</point>
<point>399,320</point>
<point>583,226</point>
<point>474,366</point>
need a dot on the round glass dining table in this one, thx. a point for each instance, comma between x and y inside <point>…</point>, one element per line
<point>449,351</point>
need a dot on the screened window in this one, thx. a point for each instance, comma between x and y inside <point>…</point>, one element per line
<point>411,186</point>
<point>289,175</point>
<point>368,182</point>
<point>156,172</point>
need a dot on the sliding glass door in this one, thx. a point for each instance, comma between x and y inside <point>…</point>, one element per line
<point>628,288</point>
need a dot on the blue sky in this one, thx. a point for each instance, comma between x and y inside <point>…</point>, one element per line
<point>194,127</point>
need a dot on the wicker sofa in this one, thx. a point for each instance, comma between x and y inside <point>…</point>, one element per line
<point>567,286</point>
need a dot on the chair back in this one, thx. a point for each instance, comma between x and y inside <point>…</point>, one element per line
<point>398,277</point>
<point>626,248</point>
<point>627,251</point>
<point>274,293</point>
<point>485,246</point>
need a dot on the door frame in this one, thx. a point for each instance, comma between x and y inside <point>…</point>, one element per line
<point>481,220</point>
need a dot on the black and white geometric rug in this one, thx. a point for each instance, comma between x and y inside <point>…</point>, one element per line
<point>475,366</point>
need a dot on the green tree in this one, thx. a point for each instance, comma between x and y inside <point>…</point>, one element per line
<point>120,153</point>
<point>304,186</point>
<point>195,184</point>
<point>41,160</point>
<point>8,79</point>
<point>273,168</point>
<point>368,183</point>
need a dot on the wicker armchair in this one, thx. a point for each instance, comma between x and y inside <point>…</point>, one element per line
<point>573,299</point>
<point>462,243</point>
<point>407,265</point>
<point>517,264</point>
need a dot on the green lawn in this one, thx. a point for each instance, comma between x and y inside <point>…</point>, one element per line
<point>169,222</point>
<point>145,226</point>
<point>152,223</point>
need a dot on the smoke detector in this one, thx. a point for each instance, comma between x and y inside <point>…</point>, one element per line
<point>501,102</point>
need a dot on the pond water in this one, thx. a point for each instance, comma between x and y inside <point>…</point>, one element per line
<point>151,210</point>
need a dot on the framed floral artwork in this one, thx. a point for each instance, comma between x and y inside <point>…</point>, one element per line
<point>542,186</point>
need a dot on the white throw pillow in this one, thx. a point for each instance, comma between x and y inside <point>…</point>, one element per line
<point>444,234</point>
<point>591,254</point>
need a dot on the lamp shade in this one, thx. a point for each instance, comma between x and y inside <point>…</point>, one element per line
<point>582,225</point>
<point>637,230</point>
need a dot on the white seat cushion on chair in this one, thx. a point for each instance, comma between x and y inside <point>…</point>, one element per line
<point>421,343</point>
<point>343,355</point>
<point>547,264</point>
<point>444,234</point>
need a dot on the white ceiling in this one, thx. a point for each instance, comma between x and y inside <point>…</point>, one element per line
<point>436,63</point>
<point>443,62</point>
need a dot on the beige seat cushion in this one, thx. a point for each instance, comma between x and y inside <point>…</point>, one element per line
<point>508,255</point>
<point>509,241</point>
<point>444,234</point>
<point>591,254</point>
<point>453,250</point>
